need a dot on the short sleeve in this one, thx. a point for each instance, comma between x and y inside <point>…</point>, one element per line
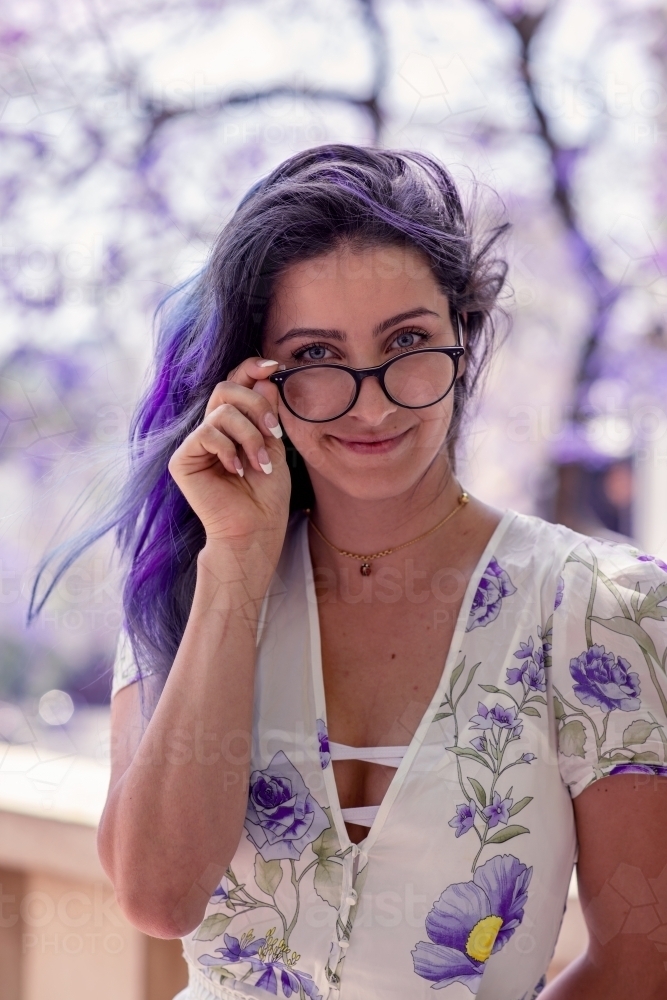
<point>125,669</point>
<point>609,647</point>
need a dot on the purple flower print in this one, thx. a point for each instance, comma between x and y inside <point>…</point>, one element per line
<point>472,921</point>
<point>560,587</point>
<point>640,767</point>
<point>479,743</point>
<point>531,671</point>
<point>221,893</point>
<point>662,565</point>
<point>272,972</point>
<point>234,951</point>
<point>323,740</point>
<point>493,587</point>
<point>290,980</point>
<point>498,811</point>
<point>505,718</point>
<point>465,817</point>
<point>282,816</point>
<point>528,757</point>
<point>605,681</point>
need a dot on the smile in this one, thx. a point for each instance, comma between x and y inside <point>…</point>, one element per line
<point>371,445</point>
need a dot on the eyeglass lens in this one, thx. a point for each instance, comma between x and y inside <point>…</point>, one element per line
<point>413,380</point>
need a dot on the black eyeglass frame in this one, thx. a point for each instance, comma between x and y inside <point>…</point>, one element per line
<point>379,372</point>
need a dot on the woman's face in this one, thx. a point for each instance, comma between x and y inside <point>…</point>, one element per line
<point>360,307</point>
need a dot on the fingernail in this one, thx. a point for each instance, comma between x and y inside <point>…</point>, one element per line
<point>267,364</point>
<point>273,425</point>
<point>238,466</point>
<point>264,461</point>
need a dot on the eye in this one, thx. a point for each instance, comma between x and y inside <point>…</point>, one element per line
<point>312,352</point>
<point>410,338</point>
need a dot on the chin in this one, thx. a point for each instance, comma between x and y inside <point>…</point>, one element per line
<point>371,481</point>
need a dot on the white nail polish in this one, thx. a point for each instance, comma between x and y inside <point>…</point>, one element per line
<point>266,467</point>
<point>276,431</point>
<point>266,364</point>
<point>241,472</point>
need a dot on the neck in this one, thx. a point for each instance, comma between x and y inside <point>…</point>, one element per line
<point>368,525</point>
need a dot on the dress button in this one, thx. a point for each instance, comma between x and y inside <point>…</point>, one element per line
<point>351,897</point>
<point>344,944</point>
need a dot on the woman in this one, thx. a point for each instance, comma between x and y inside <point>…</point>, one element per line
<point>379,717</point>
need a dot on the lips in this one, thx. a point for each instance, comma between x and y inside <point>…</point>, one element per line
<point>371,445</point>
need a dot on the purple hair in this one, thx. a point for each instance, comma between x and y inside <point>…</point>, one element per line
<point>206,327</point>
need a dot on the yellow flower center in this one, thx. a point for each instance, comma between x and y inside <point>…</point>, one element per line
<point>482,937</point>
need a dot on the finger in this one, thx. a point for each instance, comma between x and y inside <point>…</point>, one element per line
<point>253,370</point>
<point>253,404</point>
<point>208,440</point>
<point>236,426</point>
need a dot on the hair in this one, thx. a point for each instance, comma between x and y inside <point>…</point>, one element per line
<point>306,207</point>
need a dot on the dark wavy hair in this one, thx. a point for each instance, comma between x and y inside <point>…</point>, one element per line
<point>307,206</point>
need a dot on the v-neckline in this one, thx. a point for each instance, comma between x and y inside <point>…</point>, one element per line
<point>417,740</point>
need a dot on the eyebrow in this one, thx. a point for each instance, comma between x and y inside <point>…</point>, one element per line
<point>386,324</point>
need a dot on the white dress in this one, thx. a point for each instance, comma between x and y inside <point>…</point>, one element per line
<point>555,678</point>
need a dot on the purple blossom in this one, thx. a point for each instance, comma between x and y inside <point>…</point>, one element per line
<point>662,565</point>
<point>493,587</point>
<point>465,817</point>
<point>505,718</point>
<point>531,670</point>
<point>498,811</point>
<point>526,649</point>
<point>323,739</point>
<point>221,893</point>
<point>471,921</point>
<point>234,951</point>
<point>640,767</point>
<point>290,980</point>
<point>605,681</point>
<point>272,973</point>
<point>479,743</point>
<point>528,757</point>
<point>560,587</point>
<point>282,816</point>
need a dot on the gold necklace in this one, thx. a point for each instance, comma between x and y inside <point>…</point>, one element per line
<point>365,568</point>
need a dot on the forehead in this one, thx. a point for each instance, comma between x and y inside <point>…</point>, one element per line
<point>349,286</point>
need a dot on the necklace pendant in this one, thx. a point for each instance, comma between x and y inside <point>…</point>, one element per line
<point>365,569</point>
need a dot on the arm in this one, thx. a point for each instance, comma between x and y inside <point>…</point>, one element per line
<point>174,815</point>
<point>622,875</point>
<point>178,792</point>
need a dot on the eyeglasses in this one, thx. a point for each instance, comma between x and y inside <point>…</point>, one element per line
<point>417,379</point>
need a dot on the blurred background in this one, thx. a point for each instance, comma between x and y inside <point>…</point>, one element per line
<point>129,132</point>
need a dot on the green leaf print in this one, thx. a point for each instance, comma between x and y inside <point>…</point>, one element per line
<point>507,834</point>
<point>649,606</point>
<point>572,739</point>
<point>479,791</point>
<point>521,804</point>
<point>327,843</point>
<point>328,881</point>
<point>638,732</point>
<point>268,874</point>
<point>211,927</point>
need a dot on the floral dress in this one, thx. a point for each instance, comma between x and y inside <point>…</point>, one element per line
<point>555,678</point>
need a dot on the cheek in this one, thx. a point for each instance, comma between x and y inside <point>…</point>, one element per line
<point>304,436</point>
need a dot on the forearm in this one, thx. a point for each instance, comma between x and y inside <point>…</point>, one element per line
<point>620,978</point>
<point>176,816</point>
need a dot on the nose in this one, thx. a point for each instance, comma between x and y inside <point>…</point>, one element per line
<point>372,405</point>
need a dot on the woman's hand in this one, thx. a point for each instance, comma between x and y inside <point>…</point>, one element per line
<point>231,468</point>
